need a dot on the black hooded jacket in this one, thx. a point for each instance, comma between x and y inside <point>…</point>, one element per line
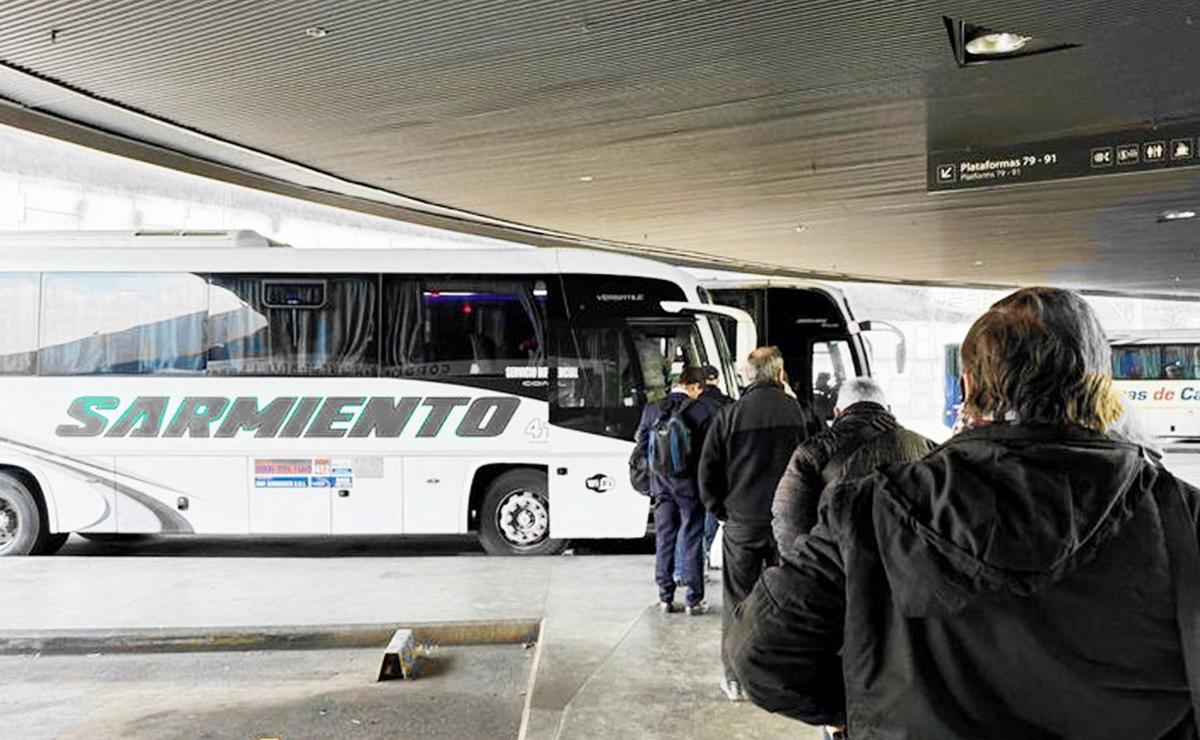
<point>1015,583</point>
<point>863,438</point>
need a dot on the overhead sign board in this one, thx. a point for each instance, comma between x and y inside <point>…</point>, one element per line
<point>1136,150</point>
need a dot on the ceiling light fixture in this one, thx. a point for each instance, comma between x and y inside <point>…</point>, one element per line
<point>801,228</point>
<point>972,44</point>
<point>586,178</point>
<point>1176,215</point>
<point>991,44</point>
<point>316,32</point>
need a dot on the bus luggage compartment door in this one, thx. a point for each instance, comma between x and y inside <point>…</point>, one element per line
<point>590,497</point>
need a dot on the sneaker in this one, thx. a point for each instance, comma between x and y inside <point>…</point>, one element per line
<point>733,689</point>
<point>668,607</point>
<point>695,610</point>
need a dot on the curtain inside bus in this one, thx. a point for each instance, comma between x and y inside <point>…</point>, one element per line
<point>464,328</point>
<point>276,326</point>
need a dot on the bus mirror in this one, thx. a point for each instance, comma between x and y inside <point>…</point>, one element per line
<point>901,341</point>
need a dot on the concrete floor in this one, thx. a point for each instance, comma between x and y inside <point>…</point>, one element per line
<point>464,693</point>
<point>611,665</point>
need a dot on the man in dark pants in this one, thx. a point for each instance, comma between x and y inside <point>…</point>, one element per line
<point>678,513</point>
<point>745,453</point>
<point>717,400</point>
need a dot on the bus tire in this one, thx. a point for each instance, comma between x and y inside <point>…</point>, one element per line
<point>515,516</point>
<point>22,529</point>
<point>51,543</point>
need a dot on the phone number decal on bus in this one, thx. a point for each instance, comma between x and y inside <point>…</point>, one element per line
<point>287,416</point>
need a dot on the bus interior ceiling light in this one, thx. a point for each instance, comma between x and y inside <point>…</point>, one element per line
<point>973,44</point>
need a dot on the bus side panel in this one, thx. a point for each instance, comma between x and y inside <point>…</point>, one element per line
<point>590,493</point>
<point>77,498</point>
<point>430,484</point>
<point>182,494</point>
<point>1165,408</point>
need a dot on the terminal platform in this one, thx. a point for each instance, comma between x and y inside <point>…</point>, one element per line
<point>609,664</point>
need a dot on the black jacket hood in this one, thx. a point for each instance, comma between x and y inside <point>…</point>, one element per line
<point>1002,511</point>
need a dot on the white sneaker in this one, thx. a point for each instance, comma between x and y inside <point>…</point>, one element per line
<point>733,689</point>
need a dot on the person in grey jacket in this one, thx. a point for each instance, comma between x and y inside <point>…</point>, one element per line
<point>864,436</point>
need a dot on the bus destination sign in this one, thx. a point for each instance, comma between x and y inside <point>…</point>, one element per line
<point>1135,150</point>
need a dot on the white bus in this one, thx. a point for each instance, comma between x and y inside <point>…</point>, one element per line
<point>215,384</point>
<point>1158,372</point>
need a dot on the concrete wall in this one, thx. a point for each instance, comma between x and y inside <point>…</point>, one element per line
<point>48,184</point>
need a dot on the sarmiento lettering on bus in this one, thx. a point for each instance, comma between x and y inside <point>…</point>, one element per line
<point>287,416</point>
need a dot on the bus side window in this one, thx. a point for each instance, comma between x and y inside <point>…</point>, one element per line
<point>122,323</point>
<point>1181,362</point>
<point>1137,363</point>
<point>831,364</point>
<point>297,325</point>
<point>18,323</point>
<point>596,386</point>
<point>463,327</point>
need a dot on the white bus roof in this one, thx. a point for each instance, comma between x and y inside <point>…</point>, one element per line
<point>753,282</point>
<point>79,251</point>
<point>152,238</point>
<point>1158,336</point>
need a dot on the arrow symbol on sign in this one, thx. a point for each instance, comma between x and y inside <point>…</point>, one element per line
<point>946,172</point>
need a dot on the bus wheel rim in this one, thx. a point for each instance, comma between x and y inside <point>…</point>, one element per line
<point>523,518</point>
<point>10,523</point>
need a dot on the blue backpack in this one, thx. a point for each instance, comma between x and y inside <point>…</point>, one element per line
<point>669,451</point>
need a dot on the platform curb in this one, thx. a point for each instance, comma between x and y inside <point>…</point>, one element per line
<point>238,639</point>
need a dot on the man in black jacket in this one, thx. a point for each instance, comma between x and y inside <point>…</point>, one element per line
<point>864,436</point>
<point>1035,577</point>
<point>745,452</point>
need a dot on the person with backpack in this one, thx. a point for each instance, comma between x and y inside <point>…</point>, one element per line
<point>1036,576</point>
<point>669,439</point>
<point>864,435</point>
<point>717,399</point>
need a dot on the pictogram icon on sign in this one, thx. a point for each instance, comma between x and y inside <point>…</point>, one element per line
<point>1181,148</point>
<point>1154,151</point>
<point>1102,156</point>
<point>1128,153</point>
<point>945,173</point>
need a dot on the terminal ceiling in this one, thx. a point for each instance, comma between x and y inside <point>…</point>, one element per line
<point>781,135</point>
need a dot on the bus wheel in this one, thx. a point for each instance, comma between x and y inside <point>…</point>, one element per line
<point>20,520</point>
<point>515,517</point>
